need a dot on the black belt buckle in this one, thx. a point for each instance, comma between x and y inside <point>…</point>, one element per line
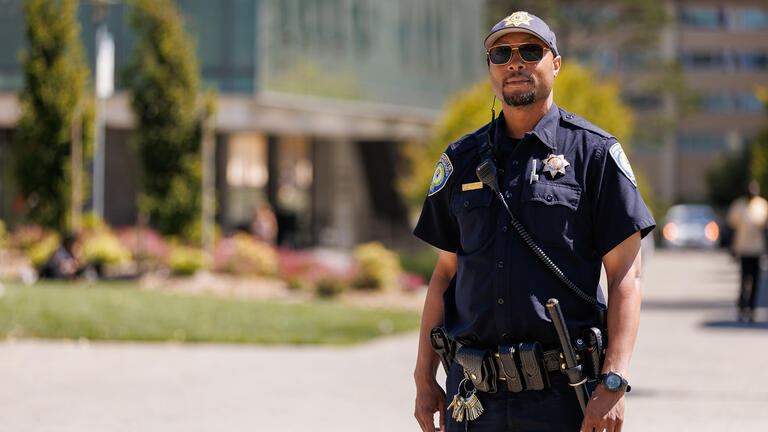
<point>532,366</point>
<point>479,367</point>
<point>509,369</point>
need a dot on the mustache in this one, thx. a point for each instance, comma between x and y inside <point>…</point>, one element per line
<point>517,75</point>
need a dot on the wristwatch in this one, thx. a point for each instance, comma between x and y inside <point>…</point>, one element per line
<point>614,382</point>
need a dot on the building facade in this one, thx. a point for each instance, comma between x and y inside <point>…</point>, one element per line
<point>314,98</point>
<point>693,88</point>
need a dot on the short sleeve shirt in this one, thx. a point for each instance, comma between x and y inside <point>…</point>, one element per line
<point>498,294</point>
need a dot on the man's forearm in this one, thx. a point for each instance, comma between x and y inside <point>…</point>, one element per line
<point>624,300</point>
<point>427,360</point>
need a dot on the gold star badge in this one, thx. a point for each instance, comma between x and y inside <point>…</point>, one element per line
<point>555,164</point>
<point>518,18</point>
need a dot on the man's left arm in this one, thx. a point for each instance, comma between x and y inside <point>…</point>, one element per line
<point>605,409</point>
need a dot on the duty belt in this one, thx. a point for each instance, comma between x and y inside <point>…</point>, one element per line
<point>524,366</point>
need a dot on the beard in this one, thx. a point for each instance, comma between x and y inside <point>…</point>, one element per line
<point>520,98</point>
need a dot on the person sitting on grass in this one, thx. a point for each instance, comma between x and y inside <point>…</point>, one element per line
<point>63,264</point>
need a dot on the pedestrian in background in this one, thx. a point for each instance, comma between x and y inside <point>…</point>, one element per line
<point>748,216</point>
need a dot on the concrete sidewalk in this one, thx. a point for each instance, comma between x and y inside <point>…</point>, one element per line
<point>694,369</point>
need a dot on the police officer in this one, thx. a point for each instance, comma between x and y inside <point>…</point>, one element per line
<point>570,184</point>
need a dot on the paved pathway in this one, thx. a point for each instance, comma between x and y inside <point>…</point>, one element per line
<point>694,370</point>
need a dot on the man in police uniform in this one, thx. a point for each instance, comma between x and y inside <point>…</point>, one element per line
<point>572,187</point>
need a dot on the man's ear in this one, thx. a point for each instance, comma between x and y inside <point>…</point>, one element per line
<point>557,62</point>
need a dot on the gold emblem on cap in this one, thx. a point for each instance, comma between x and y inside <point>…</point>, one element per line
<point>518,18</point>
<point>555,164</point>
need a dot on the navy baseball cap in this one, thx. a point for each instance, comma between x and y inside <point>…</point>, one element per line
<point>523,22</point>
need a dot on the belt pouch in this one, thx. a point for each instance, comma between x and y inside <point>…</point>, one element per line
<point>509,369</point>
<point>443,346</point>
<point>593,355</point>
<point>479,367</point>
<point>532,366</point>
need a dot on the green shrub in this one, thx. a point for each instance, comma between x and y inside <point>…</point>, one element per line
<point>330,287</point>
<point>101,246</point>
<point>39,252</point>
<point>420,262</point>
<point>3,234</point>
<point>185,260</point>
<point>242,254</point>
<point>378,267</point>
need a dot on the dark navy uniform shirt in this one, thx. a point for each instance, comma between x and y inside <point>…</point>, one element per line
<point>498,294</point>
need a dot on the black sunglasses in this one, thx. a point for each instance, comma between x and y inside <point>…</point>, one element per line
<point>529,52</point>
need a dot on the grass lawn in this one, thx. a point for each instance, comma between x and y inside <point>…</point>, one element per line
<point>120,311</point>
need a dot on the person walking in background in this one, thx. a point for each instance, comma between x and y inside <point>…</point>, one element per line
<point>748,216</point>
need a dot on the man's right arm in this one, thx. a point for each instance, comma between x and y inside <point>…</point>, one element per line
<point>429,395</point>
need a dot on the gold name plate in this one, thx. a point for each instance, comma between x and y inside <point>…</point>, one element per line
<point>471,186</point>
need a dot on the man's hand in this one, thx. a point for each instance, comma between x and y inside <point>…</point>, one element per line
<point>605,411</point>
<point>430,397</point>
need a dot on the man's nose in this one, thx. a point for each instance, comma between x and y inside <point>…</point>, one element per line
<point>516,62</point>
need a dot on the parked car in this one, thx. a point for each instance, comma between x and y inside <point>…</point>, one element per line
<point>691,225</point>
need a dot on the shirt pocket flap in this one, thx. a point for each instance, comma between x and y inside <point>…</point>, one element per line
<point>468,200</point>
<point>553,194</point>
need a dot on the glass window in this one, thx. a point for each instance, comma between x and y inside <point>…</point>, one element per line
<point>701,17</point>
<point>747,19</point>
<point>716,102</point>
<point>703,59</point>
<point>701,142</point>
<point>752,60</point>
<point>12,42</point>
<point>748,102</point>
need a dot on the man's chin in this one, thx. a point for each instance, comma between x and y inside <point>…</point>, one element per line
<point>520,98</point>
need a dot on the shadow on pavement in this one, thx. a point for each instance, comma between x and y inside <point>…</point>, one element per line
<point>686,304</point>
<point>736,325</point>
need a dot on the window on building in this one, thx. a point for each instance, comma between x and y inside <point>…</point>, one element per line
<point>703,59</point>
<point>748,102</point>
<point>701,17</point>
<point>247,175</point>
<point>752,60</point>
<point>11,38</point>
<point>706,142</point>
<point>747,19</point>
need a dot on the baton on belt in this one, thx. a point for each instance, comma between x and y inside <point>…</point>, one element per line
<point>573,370</point>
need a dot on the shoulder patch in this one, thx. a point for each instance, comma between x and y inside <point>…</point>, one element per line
<point>443,170</point>
<point>618,155</point>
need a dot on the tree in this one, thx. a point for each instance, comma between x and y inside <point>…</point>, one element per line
<point>163,77</point>
<point>577,89</point>
<point>55,76</point>
<point>759,150</point>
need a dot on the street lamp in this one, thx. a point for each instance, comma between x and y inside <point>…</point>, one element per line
<point>104,78</point>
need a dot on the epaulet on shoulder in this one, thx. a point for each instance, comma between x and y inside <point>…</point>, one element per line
<point>580,122</point>
<point>467,141</point>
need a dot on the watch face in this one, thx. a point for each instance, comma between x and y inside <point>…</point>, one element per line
<point>613,382</point>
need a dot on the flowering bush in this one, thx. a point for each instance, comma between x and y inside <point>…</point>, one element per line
<point>242,254</point>
<point>144,243</point>
<point>39,252</point>
<point>378,267</point>
<point>24,237</point>
<point>185,260</point>
<point>101,246</point>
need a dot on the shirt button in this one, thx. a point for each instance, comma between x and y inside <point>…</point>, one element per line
<point>504,228</point>
<point>548,198</point>
<point>508,194</point>
<point>466,204</point>
<point>500,301</point>
<point>500,264</point>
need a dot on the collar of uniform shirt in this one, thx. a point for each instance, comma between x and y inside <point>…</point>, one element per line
<point>544,130</point>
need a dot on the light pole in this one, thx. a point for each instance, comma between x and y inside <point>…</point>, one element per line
<point>104,77</point>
